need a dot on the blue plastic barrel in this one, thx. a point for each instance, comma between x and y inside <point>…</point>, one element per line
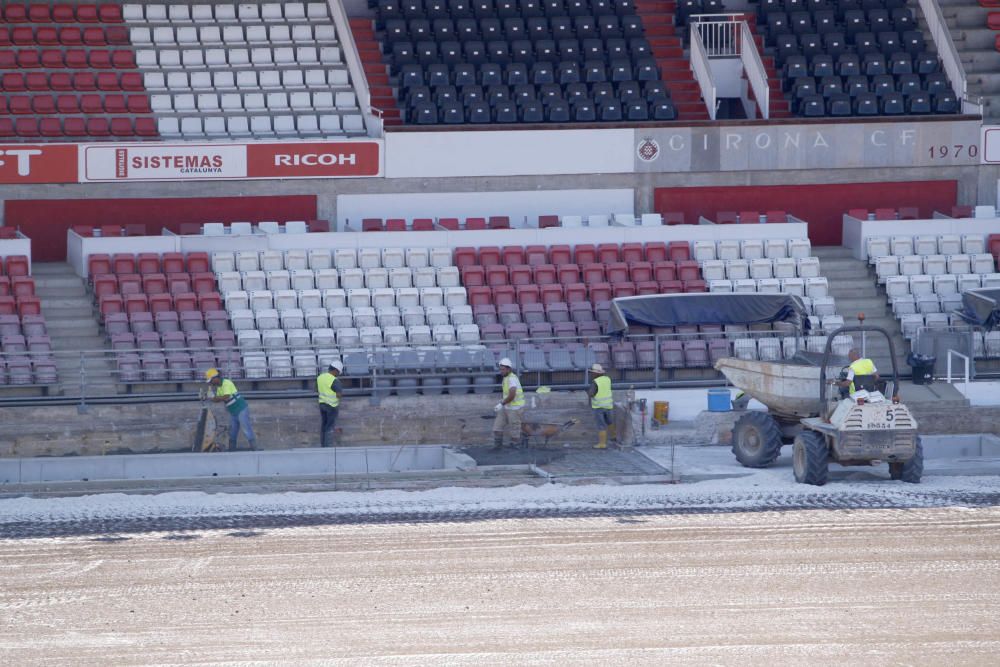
<point>719,400</point>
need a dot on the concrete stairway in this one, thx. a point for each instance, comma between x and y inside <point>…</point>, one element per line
<point>73,327</point>
<point>855,291</point>
<point>976,48</point>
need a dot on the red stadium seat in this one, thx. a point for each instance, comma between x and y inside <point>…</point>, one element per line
<point>173,262</point>
<point>671,286</point>
<point>111,304</point>
<point>91,104</point>
<point>568,274</point>
<point>4,287</point>
<point>749,218</point>
<point>131,82</point>
<point>154,283</point>
<point>647,287</point>
<point>68,104</point>
<point>885,214</point>
<point>620,290</point>
<point>94,37</point>
<point>993,20</point>
<point>503,294</point>
<point>146,127</point>
<point>560,254</point>
<point>84,81</point>
<point>159,303</point>
<point>776,217</point>
<point>18,105</point>
<point>27,127</point>
<point>607,253</point>
<point>528,294</point>
<point>8,306</point>
<point>63,13</point>
<point>678,251</point>
<point>600,292</point>
<point>179,283</point>
<point>551,294</point>
<point>61,81</point>
<point>475,223</point>
<point>726,218</point>
<point>29,305</point>
<point>39,13</point>
<point>465,256</point>
<point>98,127</point>
<point>480,296</point>
<point>136,303</point>
<point>113,103</point>
<point>632,252</point>
<point>688,270</point>
<point>395,225</point>
<point>22,37</point>
<point>512,254</point>
<point>198,262</point>
<point>122,127</point>
<point>535,255</point>
<point>584,254</point>
<point>489,256</point>
<point>37,82</point>
<point>423,225</point>
<point>962,211</point>
<point>473,276</point>
<point>448,223</point>
<point>129,283</point>
<point>117,35</point>
<point>6,127</point>
<point>115,231</point>
<point>75,127</point>
<point>497,275</point>
<point>593,273</point>
<point>123,263</point>
<point>547,221</point>
<point>186,302</point>
<point>110,13</point>
<point>616,272</point>
<point>372,225</point>
<point>695,286</point>
<point>640,272</point>
<point>209,301</point>
<point>499,222</point>
<point>105,284</point>
<point>21,286</point>
<point>544,274</point>
<point>17,265</point>
<point>87,14</point>
<point>108,82</point>
<point>201,282</point>
<point>520,274</point>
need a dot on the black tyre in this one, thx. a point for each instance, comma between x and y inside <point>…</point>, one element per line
<point>909,471</point>
<point>756,440</point>
<point>810,458</point>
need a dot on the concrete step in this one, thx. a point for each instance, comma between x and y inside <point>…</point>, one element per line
<point>72,327</point>
<point>964,16</point>
<point>52,269</point>
<point>44,293</point>
<point>980,61</point>
<point>67,313</point>
<point>985,83</point>
<point>78,343</point>
<point>57,280</point>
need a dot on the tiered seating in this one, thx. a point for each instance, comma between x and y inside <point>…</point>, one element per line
<point>161,314</point>
<point>25,349</point>
<point>67,71</point>
<point>287,306</point>
<point>427,224</point>
<point>853,58</point>
<point>458,62</point>
<point>886,213</point>
<point>252,69</point>
<point>924,276</point>
<point>265,227</point>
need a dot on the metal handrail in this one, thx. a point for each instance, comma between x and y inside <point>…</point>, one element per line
<point>967,364</point>
<point>703,73</point>
<point>352,58</point>
<point>753,65</point>
<point>950,59</point>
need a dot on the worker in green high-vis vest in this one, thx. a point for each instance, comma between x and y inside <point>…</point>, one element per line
<point>509,408</point>
<point>239,412</point>
<point>602,404</point>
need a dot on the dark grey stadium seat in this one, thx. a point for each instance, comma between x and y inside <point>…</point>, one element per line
<point>900,63</point>
<point>438,75</point>
<point>812,106</point>
<point>839,104</point>
<point>654,91</point>
<point>893,104</point>
<point>515,74</point>
<point>874,64</point>
<point>505,113</point>
<point>629,91</point>
<point>424,113</point>
<point>594,71</point>
<point>822,65</point>
<point>479,112</point>
<point>557,112</point>
<point>543,73</point>
<point>601,92</point>
<point>883,84</point>
<point>532,112</point>
<point>946,103</point>
<point>855,85</point>
<point>909,84</point>
<point>866,104</point>
<point>848,64</point>
<point>452,113</point>
<point>937,83</point>
<point>610,111</point>
<point>637,110</point>
<point>919,103</point>
<point>584,111</point>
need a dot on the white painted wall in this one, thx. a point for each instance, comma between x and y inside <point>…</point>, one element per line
<point>521,206</point>
<point>10,247</point>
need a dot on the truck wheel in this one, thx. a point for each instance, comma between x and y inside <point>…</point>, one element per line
<point>810,458</point>
<point>756,440</point>
<point>910,471</point>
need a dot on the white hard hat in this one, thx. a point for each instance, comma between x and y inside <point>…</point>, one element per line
<point>597,368</point>
<point>337,366</point>
<point>506,362</point>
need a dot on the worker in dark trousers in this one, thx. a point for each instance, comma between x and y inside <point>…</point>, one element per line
<point>602,404</point>
<point>329,390</point>
<point>239,412</point>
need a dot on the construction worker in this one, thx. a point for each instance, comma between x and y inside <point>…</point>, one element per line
<point>329,389</point>
<point>239,412</point>
<point>509,408</point>
<point>860,367</point>
<point>602,404</point>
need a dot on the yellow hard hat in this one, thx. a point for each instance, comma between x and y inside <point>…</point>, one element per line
<point>211,373</point>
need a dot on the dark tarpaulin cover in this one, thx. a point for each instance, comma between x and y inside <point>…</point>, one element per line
<point>669,310</point>
<point>981,307</point>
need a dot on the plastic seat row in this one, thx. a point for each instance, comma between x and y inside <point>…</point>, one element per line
<point>261,126</point>
<point>556,312</point>
<point>28,325</point>
<point>364,337</point>
<point>933,265</point>
<point>811,287</point>
<point>16,82</point>
<point>566,274</point>
<point>144,321</point>
<point>22,369</point>
<point>261,56</point>
<point>176,284</point>
<point>428,113</point>
<point>252,102</point>
<point>389,9</point>
<point>324,279</point>
<point>74,104</point>
<point>594,292</point>
<point>28,58</point>
<point>127,340</point>
<point>337,258</point>
<point>580,254</point>
<point>247,80</point>
<point>334,298</point>
<point>918,285</point>
<point>944,244</point>
<point>110,304</point>
<point>211,14</point>
<point>911,324</point>
<point>63,12</point>
<point>751,249</point>
<point>17,285</point>
<point>925,303</point>
<point>740,269</point>
<point>30,128</point>
<point>147,262</point>
<point>66,36</point>
<point>15,266</point>
<point>238,228</point>
<point>10,343</point>
<point>212,35</point>
<point>20,305</point>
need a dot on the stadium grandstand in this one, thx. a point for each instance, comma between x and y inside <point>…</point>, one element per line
<point>418,188</point>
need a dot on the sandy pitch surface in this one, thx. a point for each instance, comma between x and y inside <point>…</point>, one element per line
<point>906,586</point>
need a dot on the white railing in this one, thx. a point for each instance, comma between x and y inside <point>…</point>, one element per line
<point>703,73</point>
<point>753,66</point>
<point>720,33</point>
<point>373,117</point>
<point>950,59</point>
<point>967,363</point>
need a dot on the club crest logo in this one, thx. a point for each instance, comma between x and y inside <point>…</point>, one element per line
<point>648,150</point>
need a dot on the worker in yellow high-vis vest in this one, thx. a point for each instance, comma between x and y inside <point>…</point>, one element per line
<point>859,366</point>
<point>509,408</point>
<point>329,390</point>
<point>602,404</point>
<point>239,412</point>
